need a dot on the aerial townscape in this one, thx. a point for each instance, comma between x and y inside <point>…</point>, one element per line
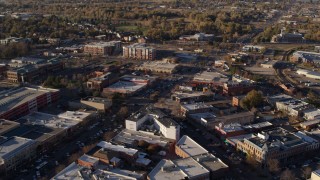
<point>159,90</point>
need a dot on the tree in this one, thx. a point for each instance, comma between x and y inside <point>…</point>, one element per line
<point>273,165</point>
<point>307,172</point>
<point>123,112</point>
<point>253,99</point>
<point>143,144</point>
<point>153,148</point>
<point>287,175</point>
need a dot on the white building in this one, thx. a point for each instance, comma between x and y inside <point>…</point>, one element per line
<point>153,121</point>
<point>309,74</point>
<point>315,175</point>
<point>186,168</point>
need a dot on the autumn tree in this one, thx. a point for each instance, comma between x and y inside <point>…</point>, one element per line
<point>287,175</point>
<point>307,172</point>
<point>273,165</point>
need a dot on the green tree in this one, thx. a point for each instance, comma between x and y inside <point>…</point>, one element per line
<point>252,100</point>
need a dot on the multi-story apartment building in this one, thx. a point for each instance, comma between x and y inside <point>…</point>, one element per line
<point>103,48</point>
<point>18,102</point>
<point>139,51</point>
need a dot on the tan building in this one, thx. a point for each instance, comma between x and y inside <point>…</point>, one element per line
<point>101,104</point>
<point>98,83</point>
<point>103,48</point>
<point>273,144</point>
<point>187,147</point>
<point>159,67</point>
<point>139,51</point>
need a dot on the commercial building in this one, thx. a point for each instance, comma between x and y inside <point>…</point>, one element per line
<point>100,82</point>
<point>31,72</point>
<point>23,61</point>
<point>153,121</point>
<point>6,126</point>
<point>9,40</point>
<point>182,96</point>
<point>241,117</point>
<point>252,48</point>
<point>233,88</point>
<point>209,78</point>
<point>47,130</point>
<point>15,151</point>
<point>311,114</point>
<point>15,103</point>
<point>186,168</point>
<point>268,64</point>
<point>187,147</point>
<point>293,107</point>
<point>103,48</point>
<point>229,130</point>
<point>139,51</point>
<point>193,108</point>
<point>88,161</point>
<point>158,67</point>
<point>305,57</point>
<point>309,74</point>
<point>101,104</point>
<point>198,37</point>
<point>284,37</point>
<point>313,144</point>
<point>76,171</point>
<point>273,144</point>
<point>127,154</point>
<point>129,138</point>
<point>308,125</point>
<point>216,167</point>
<point>129,85</point>
<point>315,175</point>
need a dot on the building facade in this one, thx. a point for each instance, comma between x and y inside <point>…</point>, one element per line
<point>139,51</point>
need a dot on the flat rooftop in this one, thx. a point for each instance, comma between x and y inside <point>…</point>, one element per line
<point>102,44</point>
<point>165,170</point>
<point>74,115</point>
<point>128,137</point>
<point>190,147</point>
<point>14,145</point>
<point>210,77</point>
<point>158,65</point>
<point>48,120</point>
<point>126,86</point>
<point>206,115</point>
<point>210,162</point>
<point>110,175</point>
<point>271,138</point>
<point>6,126</point>
<point>180,94</point>
<point>71,172</point>
<point>191,167</point>
<point>89,159</point>
<point>258,125</point>
<point>97,100</point>
<point>232,127</point>
<point>14,97</point>
<point>196,106</point>
<point>117,148</point>
<point>311,122</point>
